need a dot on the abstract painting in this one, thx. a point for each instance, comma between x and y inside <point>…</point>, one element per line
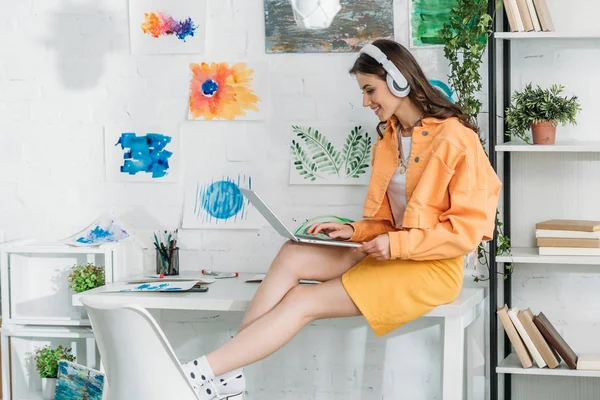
<point>444,88</point>
<point>146,156</point>
<point>330,154</point>
<point>223,91</point>
<point>167,26</point>
<point>77,382</point>
<point>103,230</point>
<point>427,18</point>
<point>357,23</point>
<point>218,203</point>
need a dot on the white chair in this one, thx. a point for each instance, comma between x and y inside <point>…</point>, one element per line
<point>138,360</point>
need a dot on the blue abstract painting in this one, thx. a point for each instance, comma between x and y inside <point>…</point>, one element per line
<point>102,231</point>
<point>159,287</point>
<point>145,154</point>
<point>219,203</point>
<point>147,157</point>
<point>76,382</point>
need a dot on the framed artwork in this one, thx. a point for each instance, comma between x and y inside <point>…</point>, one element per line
<point>426,20</point>
<point>324,26</point>
<point>167,26</point>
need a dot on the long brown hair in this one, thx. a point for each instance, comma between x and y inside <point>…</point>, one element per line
<point>422,93</point>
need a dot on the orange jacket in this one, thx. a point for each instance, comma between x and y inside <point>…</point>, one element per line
<point>451,189</point>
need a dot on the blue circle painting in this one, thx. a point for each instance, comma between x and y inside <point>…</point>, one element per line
<point>209,88</point>
<point>222,200</point>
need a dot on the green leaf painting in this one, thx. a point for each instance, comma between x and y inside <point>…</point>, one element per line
<point>315,159</point>
<point>321,219</point>
<point>427,18</point>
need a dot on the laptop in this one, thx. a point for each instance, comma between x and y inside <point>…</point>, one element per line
<point>283,230</point>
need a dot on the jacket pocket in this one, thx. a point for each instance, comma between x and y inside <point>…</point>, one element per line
<point>432,188</point>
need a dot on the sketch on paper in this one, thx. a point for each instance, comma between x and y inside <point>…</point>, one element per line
<point>77,382</point>
<point>332,155</point>
<point>102,231</point>
<point>444,88</point>
<point>218,203</point>
<point>292,27</point>
<point>148,157</point>
<point>167,26</point>
<point>220,91</point>
<point>427,18</point>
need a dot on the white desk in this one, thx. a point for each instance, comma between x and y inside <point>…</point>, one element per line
<point>234,294</point>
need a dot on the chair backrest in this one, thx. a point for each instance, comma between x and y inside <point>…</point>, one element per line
<point>138,360</point>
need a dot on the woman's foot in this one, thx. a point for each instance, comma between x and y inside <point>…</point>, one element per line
<point>208,387</point>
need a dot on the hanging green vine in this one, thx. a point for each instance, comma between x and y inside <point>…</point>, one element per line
<point>465,38</point>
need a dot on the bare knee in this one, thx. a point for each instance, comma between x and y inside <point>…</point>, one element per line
<point>289,258</point>
<point>299,301</point>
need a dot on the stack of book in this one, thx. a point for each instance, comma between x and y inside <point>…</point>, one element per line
<point>568,237</point>
<point>528,15</point>
<point>535,339</point>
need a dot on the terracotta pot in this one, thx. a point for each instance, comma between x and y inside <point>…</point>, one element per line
<point>543,133</point>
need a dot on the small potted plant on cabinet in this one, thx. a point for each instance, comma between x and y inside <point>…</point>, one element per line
<point>46,363</point>
<point>85,277</point>
<point>541,110</point>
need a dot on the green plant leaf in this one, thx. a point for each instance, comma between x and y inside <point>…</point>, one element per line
<point>303,165</point>
<point>327,159</point>
<point>357,152</point>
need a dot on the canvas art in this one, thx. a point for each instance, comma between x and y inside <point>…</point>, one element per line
<point>167,26</point>
<point>228,91</point>
<point>77,382</point>
<point>330,154</point>
<point>319,26</point>
<point>103,230</point>
<point>141,156</point>
<point>216,202</point>
<point>427,18</point>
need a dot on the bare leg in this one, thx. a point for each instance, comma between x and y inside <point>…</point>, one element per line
<point>296,261</point>
<point>301,305</point>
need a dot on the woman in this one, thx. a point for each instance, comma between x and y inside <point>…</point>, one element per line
<point>431,199</point>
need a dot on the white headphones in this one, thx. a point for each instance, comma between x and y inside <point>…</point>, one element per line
<point>395,80</point>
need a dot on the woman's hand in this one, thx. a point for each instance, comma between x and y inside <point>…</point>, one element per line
<point>378,248</point>
<point>332,229</point>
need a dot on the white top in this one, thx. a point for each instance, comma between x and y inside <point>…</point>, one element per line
<point>397,187</point>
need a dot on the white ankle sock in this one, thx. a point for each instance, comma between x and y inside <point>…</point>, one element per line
<point>199,371</point>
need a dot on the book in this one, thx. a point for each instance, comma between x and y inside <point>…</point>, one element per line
<point>534,17</point>
<point>555,340</point>
<point>514,338</point>
<point>535,354</point>
<point>567,251</point>
<point>525,17</point>
<point>259,278</point>
<point>518,20</point>
<point>568,242</point>
<point>526,318</point>
<point>582,225</point>
<point>510,14</point>
<point>547,233</point>
<point>589,362</point>
<point>541,6</point>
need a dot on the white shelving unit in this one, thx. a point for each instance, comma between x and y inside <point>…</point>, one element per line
<point>558,147</point>
<point>37,309</point>
<point>512,365</point>
<point>530,255</point>
<point>546,35</point>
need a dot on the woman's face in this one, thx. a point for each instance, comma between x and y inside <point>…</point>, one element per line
<point>377,96</point>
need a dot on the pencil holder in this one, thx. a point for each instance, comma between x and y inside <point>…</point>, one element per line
<point>167,261</point>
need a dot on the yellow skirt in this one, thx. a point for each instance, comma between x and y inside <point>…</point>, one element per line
<point>391,293</point>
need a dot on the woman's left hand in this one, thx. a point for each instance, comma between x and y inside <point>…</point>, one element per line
<point>378,248</point>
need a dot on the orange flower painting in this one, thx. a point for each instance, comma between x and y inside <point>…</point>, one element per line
<point>220,91</point>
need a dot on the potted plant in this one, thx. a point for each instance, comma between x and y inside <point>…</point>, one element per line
<point>541,110</point>
<point>46,363</point>
<point>85,277</point>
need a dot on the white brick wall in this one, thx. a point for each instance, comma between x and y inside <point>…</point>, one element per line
<point>66,71</point>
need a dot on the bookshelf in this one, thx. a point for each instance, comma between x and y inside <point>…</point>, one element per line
<point>546,35</point>
<point>514,152</point>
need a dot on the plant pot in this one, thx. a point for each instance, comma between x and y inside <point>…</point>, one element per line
<point>48,388</point>
<point>543,132</point>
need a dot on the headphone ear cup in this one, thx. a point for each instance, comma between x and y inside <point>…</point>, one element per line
<point>393,86</point>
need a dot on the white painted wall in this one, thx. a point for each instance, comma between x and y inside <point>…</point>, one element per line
<point>66,71</point>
